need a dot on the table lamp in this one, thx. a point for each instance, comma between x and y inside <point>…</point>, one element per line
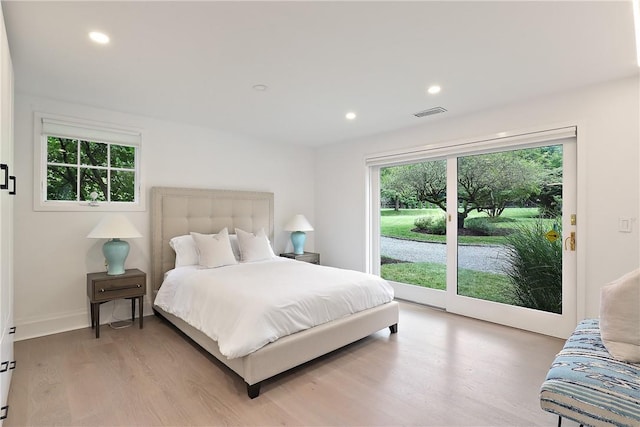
<point>114,227</point>
<point>298,225</point>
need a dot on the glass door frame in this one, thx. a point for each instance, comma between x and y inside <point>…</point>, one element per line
<point>553,324</point>
<point>519,317</point>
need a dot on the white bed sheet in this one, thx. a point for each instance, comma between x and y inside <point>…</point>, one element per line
<point>248,305</point>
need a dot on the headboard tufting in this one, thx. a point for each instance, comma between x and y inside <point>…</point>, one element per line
<point>178,211</point>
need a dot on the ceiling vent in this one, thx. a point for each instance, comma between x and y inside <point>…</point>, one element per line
<point>430,112</point>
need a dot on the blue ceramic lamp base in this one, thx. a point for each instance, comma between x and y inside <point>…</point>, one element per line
<point>297,239</point>
<point>115,251</point>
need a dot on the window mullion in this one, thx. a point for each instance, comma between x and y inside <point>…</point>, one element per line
<point>108,173</point>
<point>78,172</point>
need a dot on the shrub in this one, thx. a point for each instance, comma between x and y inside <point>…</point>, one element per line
<point>484,226</point>
<point>536,268</point>
<point>431,224</point>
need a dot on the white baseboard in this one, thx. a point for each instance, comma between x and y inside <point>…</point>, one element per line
<point>40,326</point>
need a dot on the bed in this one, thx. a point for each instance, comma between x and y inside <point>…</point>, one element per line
<point>179,211</point>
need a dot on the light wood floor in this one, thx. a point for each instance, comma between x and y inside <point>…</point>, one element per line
<point>439,370</point>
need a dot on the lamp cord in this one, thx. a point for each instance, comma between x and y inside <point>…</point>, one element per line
<point>123,323</point>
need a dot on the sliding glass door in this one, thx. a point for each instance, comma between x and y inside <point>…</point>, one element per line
<point>488,234</point>
<point>413,230</point>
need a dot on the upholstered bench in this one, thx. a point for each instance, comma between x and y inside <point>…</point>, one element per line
<point>587,385</point>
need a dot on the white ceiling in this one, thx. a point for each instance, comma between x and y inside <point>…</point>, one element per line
<point>196,62</point>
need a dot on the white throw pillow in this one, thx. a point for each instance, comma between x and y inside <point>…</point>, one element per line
<point>620,317</point>
<point>185,249</point>
<point>254,247</point>
<point>235,246</point>
<point>214,250</point>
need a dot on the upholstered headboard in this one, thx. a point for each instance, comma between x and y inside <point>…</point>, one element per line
<point>178,211</point>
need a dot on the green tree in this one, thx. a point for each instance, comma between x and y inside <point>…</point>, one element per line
<point>74,165</point>
<point>490,182</point>
<point>393,187</point>
<point>486,183</point>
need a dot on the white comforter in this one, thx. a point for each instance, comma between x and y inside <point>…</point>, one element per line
<point>248,305</point>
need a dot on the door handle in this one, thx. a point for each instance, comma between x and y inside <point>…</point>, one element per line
<point>570,242</point>
<point>13,192</point>
<point>5,167</point>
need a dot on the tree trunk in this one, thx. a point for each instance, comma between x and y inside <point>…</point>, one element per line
<point>397,207</point>
<point>461,217</point>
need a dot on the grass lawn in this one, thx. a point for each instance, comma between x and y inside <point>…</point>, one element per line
<point>471,283</point>
<point>399,224</point>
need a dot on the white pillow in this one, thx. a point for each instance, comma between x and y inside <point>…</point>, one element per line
<point>234,246</point>
<point>214,250</point>
<point>620,317</point>
<point>254,247</point>
<point>185,249</point>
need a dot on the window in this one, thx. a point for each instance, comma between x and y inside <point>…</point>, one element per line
<point>85,166</point>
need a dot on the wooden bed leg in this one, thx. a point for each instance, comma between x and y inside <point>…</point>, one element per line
<point>394,328</point>
<point>253,390</point>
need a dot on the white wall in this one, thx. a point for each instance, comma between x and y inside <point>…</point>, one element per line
<point>607,116</point>
<point>52,253</point>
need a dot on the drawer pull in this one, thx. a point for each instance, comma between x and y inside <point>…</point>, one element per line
<point>137,286</point>
<point>12,330</point>
<point>4,366</point>
<point>12,365</point>
<point>4,412</point>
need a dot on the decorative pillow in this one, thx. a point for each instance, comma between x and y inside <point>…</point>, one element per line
<point>620,317</point>
<point>254,247</point>
<point>185,249</point>
<point>214,250</point>
<point>234,246</point>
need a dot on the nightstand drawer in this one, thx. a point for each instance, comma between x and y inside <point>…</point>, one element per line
<point>117,289</point>
<point>114,287</point>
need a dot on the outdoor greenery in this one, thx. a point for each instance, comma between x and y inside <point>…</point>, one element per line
<point>536,268</point>
<point>487,183</point>
<point>488,226</point>
<point>476,284</point>
<point>89,167</point>
<point>432,224</point>
<point>401,223</point>
<point>508,198</point>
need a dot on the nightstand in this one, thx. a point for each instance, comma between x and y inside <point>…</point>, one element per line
<point>311,257</point>
<point>103,288</point>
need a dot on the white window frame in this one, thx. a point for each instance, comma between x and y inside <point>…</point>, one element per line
<point>68,127</point>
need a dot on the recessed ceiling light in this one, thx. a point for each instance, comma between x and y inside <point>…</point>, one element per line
<point>350,115</point>
<point>260,88</point>
<point>434,89</point>
<point>98,37</point>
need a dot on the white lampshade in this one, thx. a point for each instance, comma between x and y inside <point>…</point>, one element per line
<point>115,226</point>
<point>298,223</point>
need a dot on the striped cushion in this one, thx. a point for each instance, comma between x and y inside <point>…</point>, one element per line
<point>587,385</point>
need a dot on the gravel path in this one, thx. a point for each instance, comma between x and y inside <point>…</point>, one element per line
<point>480,258</point>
